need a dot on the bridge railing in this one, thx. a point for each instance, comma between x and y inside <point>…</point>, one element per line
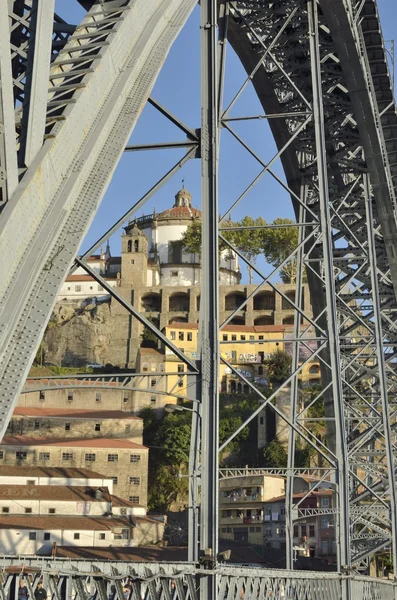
<point>85,579</point>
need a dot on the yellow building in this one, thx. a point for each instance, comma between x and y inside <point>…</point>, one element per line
<point>245,348</point>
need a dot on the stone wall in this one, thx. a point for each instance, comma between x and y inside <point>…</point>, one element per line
<point>106,333</point>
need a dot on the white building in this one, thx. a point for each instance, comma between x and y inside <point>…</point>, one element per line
<point>167,263</point>
<point>35,518</point>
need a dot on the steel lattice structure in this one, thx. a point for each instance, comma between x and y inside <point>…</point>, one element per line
<point>70,97</point>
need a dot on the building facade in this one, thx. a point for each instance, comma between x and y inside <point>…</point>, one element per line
<point>120,459</point>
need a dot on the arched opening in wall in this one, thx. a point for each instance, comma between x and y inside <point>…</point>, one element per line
<point>290,298</point>
<point>179,302</point>
<point>289,320</point>
<point>234,300</point>
<point>136,245</point>
<point>265,301</point>
<point>198,299</point>
<point>232,387</point>
<point>237,321</point>
<point>314,369</point>
<point>177,320</point>
<point>264,320</point>
<point>129,246</point>
<point>151,303</point>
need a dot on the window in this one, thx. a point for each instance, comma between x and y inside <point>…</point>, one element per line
<point>261,420</point>
<point>41,396</point>
<point>91,287</point>
<point>102,536</point>
<point>260,337</point>
<point>115,480</point>
<point>135,480</point>
<point>135,458</point>
<point>37,424</point>
<point>98,397</point>
<point>324,546</point>
<point>47,536</point>
<point>97,427</point>
<point>225,337</point>
<point>90,457</point>
<point>77,288</point>
<point>67,426</point>
<point>113,457</point>
<point>173,335</point>
<point>181,368</point>
<point>132,261</point>
<point>174,273</point>
<point>303,531</point>
<point>44,456</point>
<point>282,511</point>
<point>70,396</point>
<point>30,482</point>
<point>282,532</point>
<point>242,338</point>
<point>1,454</point>
<point>76,536</point>
<point>296,531</point>
<point>252,338</point>
<point>21,455</point>
<point>5,509</point>
<point>268,532</point>
<point>153,399</point>
<point>189,337</point>
<point>257,529</point>
<point>234,338</point>
<point>121,535</point>
<point>32,535</point>
<point>51,511</point>
<point>312,532</point>
<point>67,455</point>
<point>125,399</point>
<point>324,522</point>
<point>128,428</point>
<point>28,511</point>
<point>325,502</point>
<point>134,499</point>
<point>180,383</point>
<point>100,288</point>
<point>181,336</point>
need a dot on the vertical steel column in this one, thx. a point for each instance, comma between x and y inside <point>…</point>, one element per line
<point>342,471</point>
<point>8,138</point>
<point>194,462</point>
<point>209,318</point>
<point>381,369</point>
<point>289,495</point>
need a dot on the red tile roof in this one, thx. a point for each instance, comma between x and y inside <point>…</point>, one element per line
<point>302,494</point>
<point>237,328</point>
<point>64,473</point>
<point>20,440</point>
<point>53,522</point>
<point>73,413</point>
<point>180,212</point>
<point>52,492</point>
<point>89,277</point>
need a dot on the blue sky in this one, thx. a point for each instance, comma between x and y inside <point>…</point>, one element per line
<point>178,88</point>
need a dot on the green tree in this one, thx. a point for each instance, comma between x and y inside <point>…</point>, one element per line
<point>278,367</point>
<point>277,244</point>
<point>274,455</point>
<point>191,238</point>
<point>148,337</point>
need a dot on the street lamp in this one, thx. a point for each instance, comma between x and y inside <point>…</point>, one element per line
<point>194,461</point>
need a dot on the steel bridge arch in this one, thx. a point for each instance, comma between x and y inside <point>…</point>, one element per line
<point>66,188</point>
